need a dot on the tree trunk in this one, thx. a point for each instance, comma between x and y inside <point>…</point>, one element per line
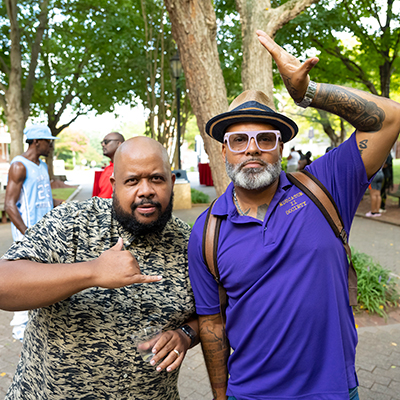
<point>257,63</point>
<point>18,99</point>
<point>194,29</point>
<point>15,115</point>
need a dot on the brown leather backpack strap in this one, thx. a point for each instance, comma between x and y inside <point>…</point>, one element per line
<point>317,192</point>
<point>210,247</point>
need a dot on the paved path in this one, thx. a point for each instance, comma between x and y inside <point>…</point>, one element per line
<point>378,352</point>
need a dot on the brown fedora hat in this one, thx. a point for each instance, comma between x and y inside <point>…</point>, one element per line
<point>251,106</point>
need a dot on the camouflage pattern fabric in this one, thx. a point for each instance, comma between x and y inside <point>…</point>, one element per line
<point>81,348</point>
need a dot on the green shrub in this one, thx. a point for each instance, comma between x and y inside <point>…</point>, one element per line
<point>376,288</point>
<point>199,197</point>
<point>284,164</point>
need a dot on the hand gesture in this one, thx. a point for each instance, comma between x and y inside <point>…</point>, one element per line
<point>172,346</point>
<point>294,74</point>
<point>117,268</point>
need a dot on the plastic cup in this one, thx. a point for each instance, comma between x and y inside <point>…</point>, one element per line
<point>145,339</point>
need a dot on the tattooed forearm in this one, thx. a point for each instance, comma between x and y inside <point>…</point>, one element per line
<point>216,352</point>
<point>362,145</point>
<point>363,114</point>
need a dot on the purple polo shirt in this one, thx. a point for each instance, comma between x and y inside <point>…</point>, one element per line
<point>288,317</point>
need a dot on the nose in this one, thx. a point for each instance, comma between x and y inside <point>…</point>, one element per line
<point>253,149</point>
<point>146,189</point>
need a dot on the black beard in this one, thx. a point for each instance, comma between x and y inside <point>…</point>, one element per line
<point>132,225</point>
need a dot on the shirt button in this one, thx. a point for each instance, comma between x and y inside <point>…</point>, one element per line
<point>125,376</point>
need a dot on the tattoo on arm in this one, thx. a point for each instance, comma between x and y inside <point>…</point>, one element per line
<point>363,145</point>
<point>216,352</point>
<point>362,113</point>
<point>261,211</point>
<point>294,93</point>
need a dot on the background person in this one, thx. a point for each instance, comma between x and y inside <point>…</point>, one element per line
<point>110,144</point>
<point>94,272</point>
<point>305,160</point>
<point>375,194</point>
<point>28,195</point>
<point>387,183</point>
<point>293,160</point>
<point>288,320</point>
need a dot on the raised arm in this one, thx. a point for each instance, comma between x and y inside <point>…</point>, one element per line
<point>376,119</point>
<point>16,178</point>
<point>27,285</point>
<point>216,352</point>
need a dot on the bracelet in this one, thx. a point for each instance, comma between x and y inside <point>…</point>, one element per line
<point>309,95</point>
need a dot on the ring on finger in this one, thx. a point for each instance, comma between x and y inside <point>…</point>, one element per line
<point>177,352</point>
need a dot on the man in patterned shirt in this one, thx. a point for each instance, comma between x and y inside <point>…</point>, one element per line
<point>94,272</point>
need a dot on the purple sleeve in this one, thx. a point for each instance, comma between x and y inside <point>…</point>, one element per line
<point>205,288</point>
<point>342,172</point>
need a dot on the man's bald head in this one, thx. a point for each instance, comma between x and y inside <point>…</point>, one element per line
<point>140,148</point>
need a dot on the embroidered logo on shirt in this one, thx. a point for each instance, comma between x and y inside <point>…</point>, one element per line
<point>293,203</point>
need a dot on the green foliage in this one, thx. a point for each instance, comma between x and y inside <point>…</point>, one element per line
<point>284,164</point>
<point>354,47</point>
<point>199,197</point>
<point>376,289</point>
<point>396,171</point>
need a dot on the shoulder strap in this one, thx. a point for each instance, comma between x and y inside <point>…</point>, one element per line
<point>210,247</point>
<point>317,192</point>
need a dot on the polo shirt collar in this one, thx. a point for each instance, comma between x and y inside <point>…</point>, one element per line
<point>225,206</point>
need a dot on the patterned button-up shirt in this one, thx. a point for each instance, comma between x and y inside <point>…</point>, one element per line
<point>82,347</point>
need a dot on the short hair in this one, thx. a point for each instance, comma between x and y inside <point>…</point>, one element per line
<point>29,141</point>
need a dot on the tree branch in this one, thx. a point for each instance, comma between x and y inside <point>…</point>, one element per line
<point>66,125</point>
<point>350,65</point>
<point>30,81</point>
<point>5,67</point>
<point>285,13</point>
<point>3,88</point>
<point>3,103</point>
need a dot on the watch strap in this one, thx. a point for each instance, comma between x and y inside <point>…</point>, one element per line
<point>188,331</point>
<point>309,95</point>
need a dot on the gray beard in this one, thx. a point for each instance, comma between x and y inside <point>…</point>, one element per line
<point>253,178</point>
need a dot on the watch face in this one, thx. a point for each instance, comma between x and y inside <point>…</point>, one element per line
<point>189,331</point>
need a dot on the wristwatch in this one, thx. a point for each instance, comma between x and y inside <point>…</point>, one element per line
<point>309,95</point>
<point>187,330</point>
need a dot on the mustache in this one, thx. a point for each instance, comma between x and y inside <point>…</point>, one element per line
<point>150,202</point>
<point>242,164</point>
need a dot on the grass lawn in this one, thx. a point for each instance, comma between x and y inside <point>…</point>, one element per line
<point>62,193</point>
<point>396,171</point>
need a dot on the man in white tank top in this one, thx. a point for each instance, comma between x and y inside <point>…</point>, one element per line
<point>28,195</point>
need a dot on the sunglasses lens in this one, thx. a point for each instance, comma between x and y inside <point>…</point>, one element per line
<point>238,142</point>
<point>266,140</point>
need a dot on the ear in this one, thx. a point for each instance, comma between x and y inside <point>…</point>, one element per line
<point>173,179</point>
<point>112,181</point>
<point>224,152</point>
<point>281,146</point>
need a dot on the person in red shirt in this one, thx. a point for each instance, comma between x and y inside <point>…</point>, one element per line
<point>110,145</point>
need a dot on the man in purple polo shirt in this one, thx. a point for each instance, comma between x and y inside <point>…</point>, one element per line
<point>288,317</point>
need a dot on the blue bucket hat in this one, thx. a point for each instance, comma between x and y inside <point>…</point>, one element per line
<point>38,132</point>
<point>251,106</point>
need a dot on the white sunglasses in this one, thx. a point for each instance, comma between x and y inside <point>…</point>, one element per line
<point>239,142</point>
